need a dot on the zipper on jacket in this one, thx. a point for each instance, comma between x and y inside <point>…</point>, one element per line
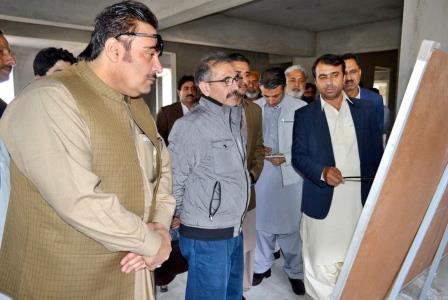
<point>243,156</point>
<point>216,198</point>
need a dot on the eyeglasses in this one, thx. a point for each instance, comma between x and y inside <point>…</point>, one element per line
<point>228,81</point>
<point>159,44</point>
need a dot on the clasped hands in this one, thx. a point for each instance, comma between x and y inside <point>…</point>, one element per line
<point>133,262</point>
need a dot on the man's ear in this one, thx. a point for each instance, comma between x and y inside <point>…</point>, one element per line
<point>205,88</point>
<point>113,49</point>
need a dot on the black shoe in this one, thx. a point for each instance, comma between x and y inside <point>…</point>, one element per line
<point>258,277</point>
<point>243,298</point>
<point>297,286</point>
<point>277,254</point>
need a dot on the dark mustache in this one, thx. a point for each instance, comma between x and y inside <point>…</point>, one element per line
<point>234,93</point>
<point>349,81</point>
<point>190,95</point>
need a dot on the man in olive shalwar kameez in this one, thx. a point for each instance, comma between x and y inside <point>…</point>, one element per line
<point>91,200</point>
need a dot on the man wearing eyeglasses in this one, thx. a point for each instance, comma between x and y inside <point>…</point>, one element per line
<point>211,183</point>
<point>91,185</point>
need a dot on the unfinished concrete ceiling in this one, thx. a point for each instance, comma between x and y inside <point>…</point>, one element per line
<point>81,13</point>
<point>318,15</point>
<point>284,27</point>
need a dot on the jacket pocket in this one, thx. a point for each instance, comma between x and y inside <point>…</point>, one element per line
<point>215,200</point>
<point>224,156</point>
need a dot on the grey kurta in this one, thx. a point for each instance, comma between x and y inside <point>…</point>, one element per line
<point>278,206</point>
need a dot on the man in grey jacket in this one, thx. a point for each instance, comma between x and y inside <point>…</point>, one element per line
<point>211,183</point>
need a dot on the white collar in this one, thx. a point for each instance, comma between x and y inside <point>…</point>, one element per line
<point>358,96</point>
<point>323,103</point>
<point>185,109</point>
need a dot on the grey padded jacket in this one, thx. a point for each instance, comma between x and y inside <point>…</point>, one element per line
<point>211,183</point>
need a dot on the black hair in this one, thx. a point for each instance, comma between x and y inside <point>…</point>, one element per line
<point>114,20</point>
<point>329,59</point>
<point>48,57</point>
<point>85,54</point>
<point>239,57</point>
<point>183,79</point>
<point>351,56</point>
<point>203,71</point>
<point>272,78</point>
<point>310,85</point>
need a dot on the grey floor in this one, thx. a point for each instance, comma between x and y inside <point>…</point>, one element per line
<point>277,286</point>
<point>439,288</point>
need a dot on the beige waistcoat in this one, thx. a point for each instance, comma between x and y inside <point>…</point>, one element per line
<point>44,258</point>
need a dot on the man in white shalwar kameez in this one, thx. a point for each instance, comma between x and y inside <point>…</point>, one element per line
<point>333,139</point>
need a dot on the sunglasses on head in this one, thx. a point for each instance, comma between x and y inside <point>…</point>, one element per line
<point>159,44</point>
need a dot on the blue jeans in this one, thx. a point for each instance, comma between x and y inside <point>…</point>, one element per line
<point>215,268</point>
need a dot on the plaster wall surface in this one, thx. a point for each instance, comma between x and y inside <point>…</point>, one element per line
<point>372,37</point>
<point>422,20</point>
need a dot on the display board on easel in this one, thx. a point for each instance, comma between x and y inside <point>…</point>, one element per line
<point>405,186</point>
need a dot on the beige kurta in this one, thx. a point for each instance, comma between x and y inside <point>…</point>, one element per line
<point>328,239</point>
<point>58,150</point>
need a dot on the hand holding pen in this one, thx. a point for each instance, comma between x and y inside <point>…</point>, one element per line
<point>332,176</point>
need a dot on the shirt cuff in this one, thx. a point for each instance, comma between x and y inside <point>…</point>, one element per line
<point>151,243</point>
<point>163,218</point>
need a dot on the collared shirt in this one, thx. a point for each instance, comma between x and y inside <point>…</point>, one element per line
<point>328,239</point>
<point>185,109</point>
<point>358,96</point>
<point>324,103</point>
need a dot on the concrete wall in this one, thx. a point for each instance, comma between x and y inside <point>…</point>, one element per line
<point>188,56</point>
<point>422,19</point>
<point>23,71</point>
<point>44,32</point>
<point>235,33</point>
<point>307,63</point>
<point>380,36</point>
<point>386,59</point>
<point>372,37</point>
